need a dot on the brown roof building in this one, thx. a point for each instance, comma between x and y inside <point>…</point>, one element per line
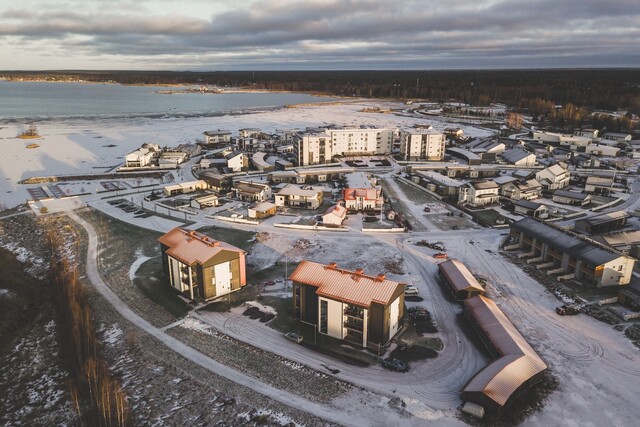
<point>349,305</point>
<point>201,267</point>
<point>461,282</point>
<point>516,367</point>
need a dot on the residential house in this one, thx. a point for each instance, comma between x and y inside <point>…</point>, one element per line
<point>479,193</point>
<point>334,215</point>
<point>363,199</point>
<point>584,161</point>
<point>588,133</point>
<point>602,223</point>
<point>574,198</point>
<point>205,201</point>
<point>618,137</point>
<point>262,210</point>
<point>200,267</point>
<point>598,185</point>
<point>519,157</point>
<point>554,177</point>
<point>626,242</point>
<point>441,184</point>
<point>220,136</point>
<point>563,253</point>
<point>216,182</point>
<point>529,208</point>
<point>348,305</point>
<point>528,190</point>
<point>249,191</point>
<point>171,158</point>
<point>184,187</point>
<point>237,161</point>
<point>305,197</point>
<point>422,144</point>
<point>143,156</point>
<point>602,150</point>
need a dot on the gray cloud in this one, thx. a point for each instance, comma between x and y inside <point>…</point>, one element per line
<point>337,34</point>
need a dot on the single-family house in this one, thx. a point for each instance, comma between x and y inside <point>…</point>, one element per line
<point>334,215</point>
<point>262,210</point>
<point>205,201</point>
<point>363,199</point>
<point>616,136</point>
<point>602,150</point>
<point>249,191</point>
<point>184,187</point>
<point>574,198</point>
<point>519,157</point>
<point>200,267</point>
<point>143,156</point>
<point>516,190</point>
<point>216,182</point>
<point>479,193</point>
<point>598,185</point>
<point>348,305</point>
<point>306,197</point>
<point>529,208</point>
<point>237,161</point>
<point>553,177</point>
<point>602,223</point>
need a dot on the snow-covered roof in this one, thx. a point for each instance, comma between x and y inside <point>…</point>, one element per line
<point>518,364</point>
<point>358,180</point>
<point>294,190</point>
<point>484,185</point>
<point>570,194</point>
<point>190,246</point>
<point>353,287</point>
<point>515,155</point>
<point>440,179</point>
<point>604,218</point>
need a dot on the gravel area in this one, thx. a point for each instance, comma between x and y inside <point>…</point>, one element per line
<point>268,367</point>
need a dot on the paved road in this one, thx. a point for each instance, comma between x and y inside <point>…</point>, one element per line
<point>292,400</point>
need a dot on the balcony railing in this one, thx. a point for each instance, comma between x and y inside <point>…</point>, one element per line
<point>355,326</point>
<point>354,312</point>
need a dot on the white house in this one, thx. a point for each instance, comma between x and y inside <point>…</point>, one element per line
<point>249,191</point>
<point>220,136</point>
<point>142,157</point>
<point>479,193</point>
<point>206,201</point>
<point>334,215</point>
<point>529,208</point>
<point>306,197</point>
<point>515,190</point>
<point>598,184</point>
<point>618,137</point>
<point>602,150</point>
<point>553,177</point>
<point>422,144</point>
<point>237,162</point>
<point>588,133</point>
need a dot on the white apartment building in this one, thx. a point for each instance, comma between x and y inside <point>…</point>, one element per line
<point>422,144</point>
<point>318,148</point>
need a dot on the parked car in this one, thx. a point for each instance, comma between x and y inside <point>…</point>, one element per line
<point>567,310</point>
<point>410,290</point>
<point>294,336</point>
<point>394,364</point>
<point>427,209</point>
<point>440,255</point>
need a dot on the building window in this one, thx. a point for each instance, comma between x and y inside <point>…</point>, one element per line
<point>323,316</point>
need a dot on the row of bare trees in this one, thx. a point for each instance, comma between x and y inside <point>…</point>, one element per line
<point>97,396</point>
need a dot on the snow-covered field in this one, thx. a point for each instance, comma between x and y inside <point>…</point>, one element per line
<point>93,147</point>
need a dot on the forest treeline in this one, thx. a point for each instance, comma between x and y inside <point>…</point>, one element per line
<point>605,89</point>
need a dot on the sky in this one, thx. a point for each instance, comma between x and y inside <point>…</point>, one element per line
<point>217,35</point>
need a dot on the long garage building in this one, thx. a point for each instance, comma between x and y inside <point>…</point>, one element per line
<point>459,279</point>
<point>516,366</point>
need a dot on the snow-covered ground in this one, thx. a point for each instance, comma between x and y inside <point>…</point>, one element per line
<point>92,147</point>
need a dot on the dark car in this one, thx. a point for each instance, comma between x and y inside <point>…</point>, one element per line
<point>394,364</point>
<point>567,310</point>
<point>293,336</point>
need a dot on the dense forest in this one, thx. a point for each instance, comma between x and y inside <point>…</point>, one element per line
<point>536,91</point>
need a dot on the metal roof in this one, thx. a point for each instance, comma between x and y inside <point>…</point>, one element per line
<point>516,154</point>
<point>484,185</point>
<point>459,276</point>
<point>352,287</point>
<point>570,194</point>
<point>574,246</point>
<point>528,204</point>
<point>191,247</point>
<point>518,362</point>
<point>604,218</point>
<point>294,190</point>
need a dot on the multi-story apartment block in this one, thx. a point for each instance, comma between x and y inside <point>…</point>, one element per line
<point>422,144</point>
<point>321,147</point>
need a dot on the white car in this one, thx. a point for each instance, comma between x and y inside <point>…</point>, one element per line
<point>410,290</point>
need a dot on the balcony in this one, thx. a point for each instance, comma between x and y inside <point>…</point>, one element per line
<point>354,325</point>
<point>357,313</point>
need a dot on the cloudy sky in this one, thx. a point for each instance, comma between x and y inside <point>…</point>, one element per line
<point>318,34</point>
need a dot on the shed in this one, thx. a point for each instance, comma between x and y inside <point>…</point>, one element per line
<point>461,282</point>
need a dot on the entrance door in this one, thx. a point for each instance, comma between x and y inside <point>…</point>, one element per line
<point>223,278</point>
<point>394,312</point>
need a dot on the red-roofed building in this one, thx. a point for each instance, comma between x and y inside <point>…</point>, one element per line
<point>350,305</point>
<point>201,267</point>
<point>363,199</point>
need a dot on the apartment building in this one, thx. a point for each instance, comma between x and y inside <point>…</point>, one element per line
<point>422,144</point>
